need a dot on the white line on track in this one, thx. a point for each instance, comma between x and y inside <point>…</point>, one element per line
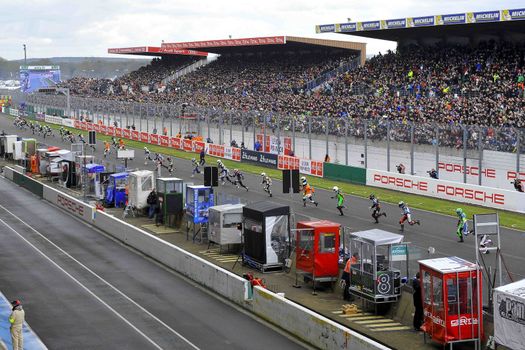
<point>100,278</point>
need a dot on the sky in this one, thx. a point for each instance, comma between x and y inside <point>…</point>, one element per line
<point>60,28</point>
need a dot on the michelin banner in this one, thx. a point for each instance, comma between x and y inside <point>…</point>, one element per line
<point>420,21</point>
<point>481,17</point>
<point>513,15</point>
<point>459,18</point>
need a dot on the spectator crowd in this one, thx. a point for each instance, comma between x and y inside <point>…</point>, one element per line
<point>446,84</point>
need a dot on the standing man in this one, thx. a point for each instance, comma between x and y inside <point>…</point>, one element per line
<point>418,302</point>
<point>345,277</point>
<point>152,202</point>
<point>16,319</point>
<point>202,157</point>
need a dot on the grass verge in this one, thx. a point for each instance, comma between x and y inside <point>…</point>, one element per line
<point>507,219</point>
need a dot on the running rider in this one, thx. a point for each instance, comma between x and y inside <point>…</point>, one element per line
<point>266,184</point>
<point>376,208</point>
<point>308,192</point>
<point>340,199</point>
<point>407,216</point>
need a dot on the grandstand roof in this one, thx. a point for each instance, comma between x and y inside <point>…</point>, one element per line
<point>498,23</point>
<point>267,44</point>
<point>154,51</point>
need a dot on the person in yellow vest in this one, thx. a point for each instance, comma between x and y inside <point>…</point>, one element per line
<point>16,319</point>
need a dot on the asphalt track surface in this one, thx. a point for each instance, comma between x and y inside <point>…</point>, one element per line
<point>83,290</point>
<point>436,230</point>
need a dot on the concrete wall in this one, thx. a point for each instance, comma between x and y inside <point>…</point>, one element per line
<point>306,324</point>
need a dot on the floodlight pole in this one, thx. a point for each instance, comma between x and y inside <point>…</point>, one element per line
<point>25,54</point>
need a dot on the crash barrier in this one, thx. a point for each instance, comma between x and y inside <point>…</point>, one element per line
<point>295,319</point>
<point>221,281</point>
<point>448,190</point>
<point>28,183</point>
<point>305,324</point>
<point>345,173</point>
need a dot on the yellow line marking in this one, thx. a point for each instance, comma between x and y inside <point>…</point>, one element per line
<point>391,329</point>
<point>358,314</point>
<point>364,318</point>
<point>384,325</point>
<point>373,321</point>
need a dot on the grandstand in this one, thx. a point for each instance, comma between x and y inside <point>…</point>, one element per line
<point>452,69</point>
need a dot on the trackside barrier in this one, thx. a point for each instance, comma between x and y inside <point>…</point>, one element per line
<point>197,269</point>
<point>70,204</point>
<point>8,173</point>
<point>306,324</point>
<point>28,183</point>
<point>345,173</point>
<point>454,191</point>
<point>299,321</point>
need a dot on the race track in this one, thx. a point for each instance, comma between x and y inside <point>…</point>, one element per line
<point>165,295</point>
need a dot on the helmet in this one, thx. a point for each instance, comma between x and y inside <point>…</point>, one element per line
<point>335,188</point>
<point>145,148</point>
<point>219,161</point>
<point>192,159</point>
<point>263,174</point>
<point>400,204</point>
<point>235,170</point>
<point>15,303</point>
<point>372,196</point>
<point>459,211</point>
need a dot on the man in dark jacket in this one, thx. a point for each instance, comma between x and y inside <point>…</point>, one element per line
<point>152,202</point>
<point>418,302</point>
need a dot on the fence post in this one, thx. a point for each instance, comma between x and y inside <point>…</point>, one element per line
<point>346,141</point>
<point>326,132</point>
<point>437,149</point>
<point>242,127</point>
<point>412,148</point>
<point>464,154</point>
<point>231,127</point>
<point>518,149</point>
<point>264,133</point>
<point>220,129</point>
<point>278,120</point>
<point>293,134</point>
<point>480,150</point>
<point>388,126</point>
<point>309,137</point>
<point>366,143</point>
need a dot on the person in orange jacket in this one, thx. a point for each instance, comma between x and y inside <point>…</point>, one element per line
<point>308,192</point>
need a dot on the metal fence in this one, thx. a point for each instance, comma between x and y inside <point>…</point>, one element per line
<point>465,152</point>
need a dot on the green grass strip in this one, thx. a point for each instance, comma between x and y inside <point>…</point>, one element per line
<point>507,219</point>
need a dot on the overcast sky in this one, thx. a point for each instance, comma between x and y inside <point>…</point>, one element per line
<point>54,28</point>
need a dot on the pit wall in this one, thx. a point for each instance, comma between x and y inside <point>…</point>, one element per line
<point>299,321</point>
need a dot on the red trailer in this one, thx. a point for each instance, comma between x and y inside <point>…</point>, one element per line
<point>317,250</point>
<point>451,288</point>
